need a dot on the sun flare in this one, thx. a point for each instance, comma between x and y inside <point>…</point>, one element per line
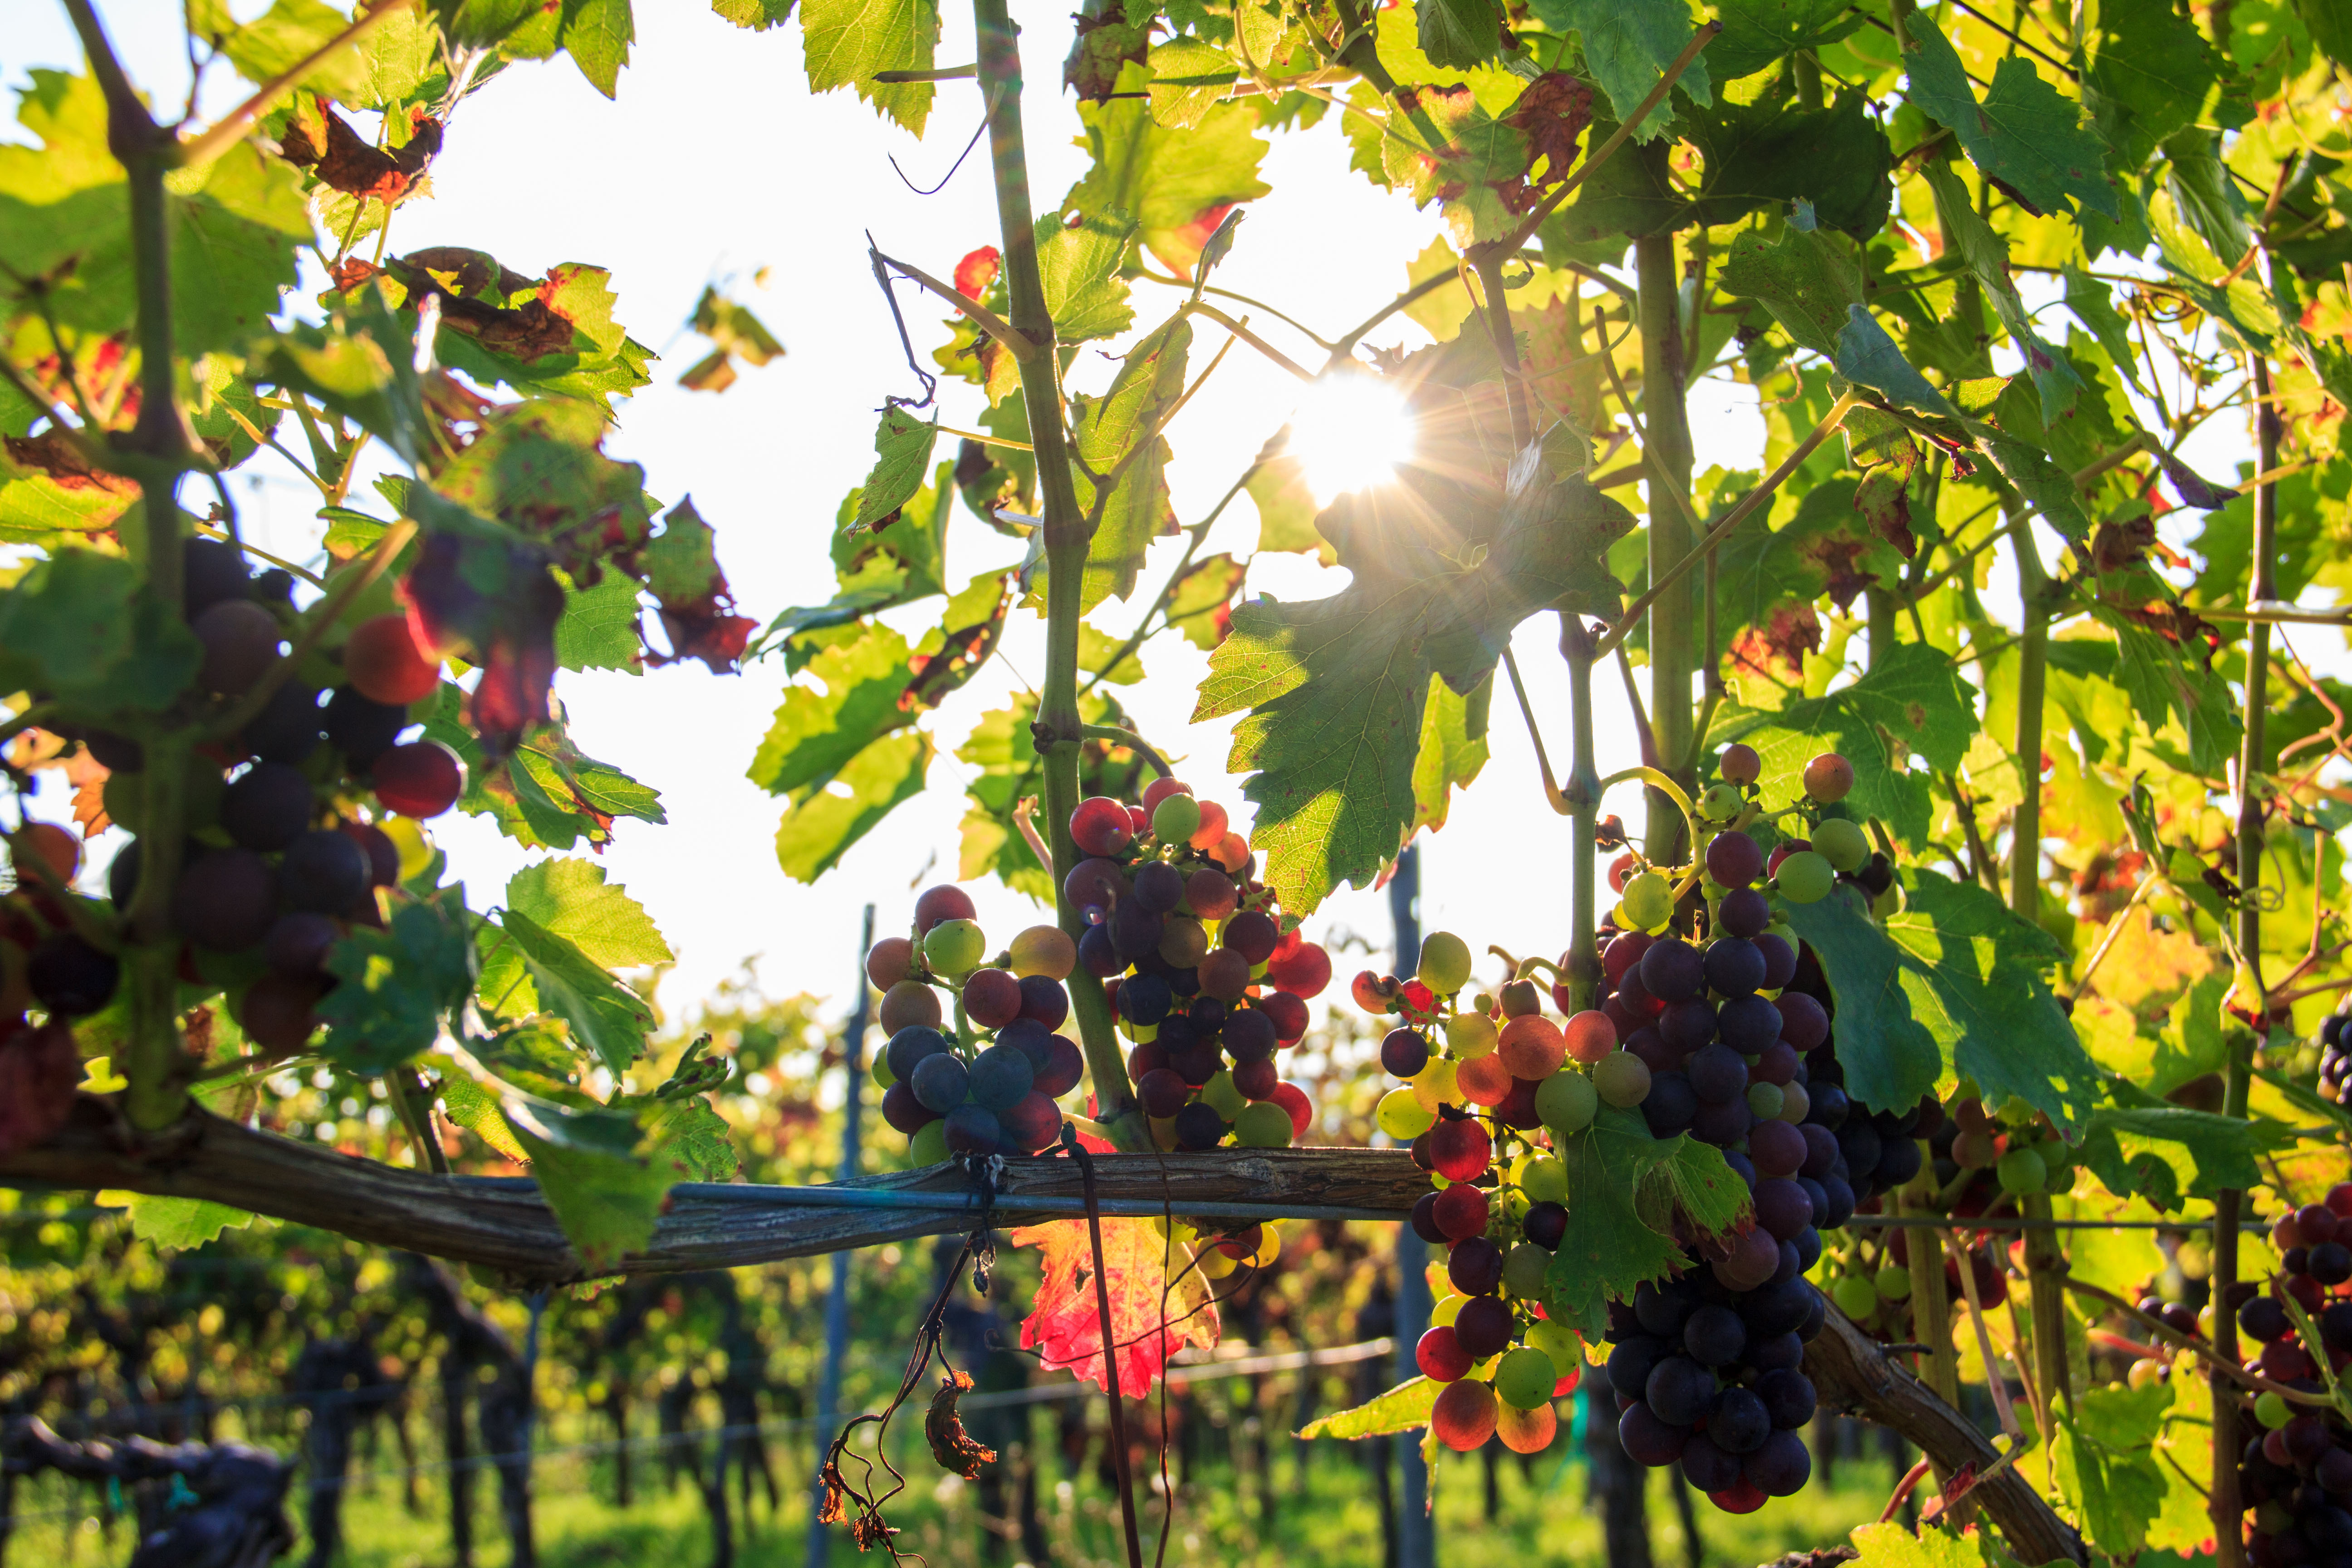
<point>1349,431</point>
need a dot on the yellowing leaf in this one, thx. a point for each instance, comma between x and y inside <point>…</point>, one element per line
<point>1152,1315</point>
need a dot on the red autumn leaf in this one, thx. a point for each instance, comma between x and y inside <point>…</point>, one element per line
<point>496,606</point>
<point>976,271</point>
<point>1066,1324</point>
<point>40,1072</point>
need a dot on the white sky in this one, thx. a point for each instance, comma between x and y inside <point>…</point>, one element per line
<point>716,161</point>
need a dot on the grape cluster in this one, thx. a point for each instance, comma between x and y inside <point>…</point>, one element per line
<point>987,1084</point>
<point>2294,1477</point>
<point>1202,978</point>
<point>2335,1055</point>
<point>292,830</point>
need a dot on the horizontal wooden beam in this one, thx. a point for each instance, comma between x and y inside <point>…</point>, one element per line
<point>505,1225</point>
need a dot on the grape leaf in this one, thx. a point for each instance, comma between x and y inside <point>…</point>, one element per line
<point>1952,985</point>
<point>176,1223</point>
<point>2168,680</point>
<point>1007,769</point>
<point>553,336</point>
<point>824,819</point>
<point>396,983</point>
<point>477,1109</point>
<point>281,38</point>
<point>570,898</point>
<point>592,1169</point>
<point>1868,357</point>
<point>50,493</point>
<point>1405,1408</point>
<point>1914,702</point>
<point>1757,32</point>
<point>1628,45</point>
<point>599,628</point>
<point>1168,182</point>
<point>1805,279</point>
<point>1110,430</point>
<point>2025,137</point>
<point>79,627</point>
<point>2094,305</point>
<point>1624,1190</point>
<point>1892,1546</point>
<point>1763,155</point>
<point>1985,254</point>
<point>1159,1302</point>
<point>845,42</point>
<point>1458,33</point>
<point>848,699</point>
<point>2115,1493</point>
<point>2167,1153</point>
<point>1189,76</point>
<point>1453,748</point>
<point>605,1015</point>
<point>1079,265</point>
<point>597,35</point>
<point>902,448</point>
<point>2149,75</point>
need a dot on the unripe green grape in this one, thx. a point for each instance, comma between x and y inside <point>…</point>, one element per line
<point>1524,1270</point>
<point>1402,1115</point>
<point>1805,878</point>
<point>1445,962</point>
<point>1470,1035</point>
<point>1892,1283</point>
<point>1843,844</point>
<point>880,1069</point>
<point>929,1146</point>
<point>2022,1172</point>
<point>1648,900</point>
<point>2272,1411</point>
<point>955,947</point>
<point>1543,1179</point>
<point>1857,1298</point>
<point>1265,1125</point>
<point>1220,1092</point>
<point>1558,1343</point>
<point>1525,1378</point>
<point>1176,819</point>
<point>1765,1100</point>
<point>1721,803</point>
<point>1622,1079</point>
<point>1445,1309</point>
<point>1567,1101</point>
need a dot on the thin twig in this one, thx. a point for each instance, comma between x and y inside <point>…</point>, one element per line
<point>1240,331</point>
<point>1543,764</point>
<point>986,320</point>
<point>232,129</point>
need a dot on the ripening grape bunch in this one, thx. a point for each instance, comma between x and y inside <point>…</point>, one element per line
<point>2335,1055</point>
<point>295,829</point>
<point>2294,1477</point>
<point>1201,979</point>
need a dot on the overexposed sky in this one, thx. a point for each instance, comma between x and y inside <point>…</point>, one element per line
<point>715,162</point>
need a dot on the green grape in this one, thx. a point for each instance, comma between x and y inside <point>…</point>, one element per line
<point>1220,1092</point>
<point>1893,1283</point>
<point>1524,1269</point>
<point>880,1069</point>
<point>1445,962</point>
<point>1765,1100</point>
<point>1525,1378</point>
<point>2272,1411</point>
<point>1843,844</point>
<point>2022,1172</point>
<point>1265,1125</point>
<point>1176,819</point>
<point>1805,878</point>
<point>1543,1179</point>
<point>1857,1298</point>
<point>1648,902</point>
<point>955,947</point>
<point>1558,1341</point>
<point>929,1146</point>
<point>1401,1115</point>
<point>1470,1035</point>
<point>1721,803</point>
<point>1621,1078</point>
<point>1567,1101</point>
<point>1445,1309</point>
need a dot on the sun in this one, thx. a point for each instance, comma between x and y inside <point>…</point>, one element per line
<point>1349,431</point>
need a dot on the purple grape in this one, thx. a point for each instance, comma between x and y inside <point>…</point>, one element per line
<point>1740,1422</point>
<point>1805,1023</point>
<point>1746,912</point>
<point>1646,1439</point>
<point>1425,1220</point>
<point>1779,960</point>
<point>1670,1104</point>
<point>1403,1053</point>
<point>1706,1466</point>
<point>1630,1361</point>
<point>1782,1207</point>
<point>1734,860</point>
<point>1662,1311</point>
<point>973,1129</point>
<point>1788,1398</point>
<point>1687,1025</point>
<point>1716,1074</point>
<point>1672,970</point>
<point>1713,1335</point>
<point>1145,998</point>
<point>910,1048</point>
<point>1250,1036</point>
<point>1474,1266</point>
<point>1679,1389</point>
<point>1747,1024</point>
<point>1781,1465</point>
<point>1158,887</point>
<point>940,1081</point>
<point>1735,968</point>
<point>1546,1224</point>
<point>1198,1126</point>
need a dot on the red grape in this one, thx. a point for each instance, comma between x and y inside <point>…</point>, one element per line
<point>1739,763</point>
<point>946,902</point>
<point>1100,826</point>
<point>421,779</point>
<point>387,666</point>
<point>1734,860</point>
<point>1440,1355</point>
<point>240,640</point>
<point>1286,1012</point>
<point>1460,1150</point>
<point>1463,1416</point>
<point>888,962</point>
<point>1158,790</point>
<point>55,847</point>
<point>1589,1036</point>
<point>1214,829</point>
<point>1462,1212</point>
<point>1828,778</point>
<point>991,998</point>
<point>1303,970</point>
<point>280,1012</point>
<point>1293,1099</point>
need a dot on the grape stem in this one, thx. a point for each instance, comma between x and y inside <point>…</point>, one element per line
<point>1132,742</point>
<point>2196,1346</point>
<point>1664,783</point>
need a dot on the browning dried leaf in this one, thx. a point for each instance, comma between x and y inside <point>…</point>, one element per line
<point>952,1446</point>
<point>320,139</point>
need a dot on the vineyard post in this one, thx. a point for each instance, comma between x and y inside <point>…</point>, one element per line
<point>2251,994</point>
<point>1415,1531</point>
<point>837,1302</point>
<point>161,448</point>
<point>1068,535</point>
<point>1666,434</point>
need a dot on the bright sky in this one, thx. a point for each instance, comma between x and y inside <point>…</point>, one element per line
<point>715,162</point>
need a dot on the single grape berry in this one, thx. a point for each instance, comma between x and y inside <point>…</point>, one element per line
<point>1805,878</point>
<point>1621,1079</point>
<point>297,943</point>
<point>1843,844</point>
<point>422,779</point>
<point>267,806</point>
<point>944,903</point>
<point>322,871</point>
<point>1100,826</point>
<point>1828,778</point>
<point>1739,763</point>
<point>386,664</point>
<point>211,570</point>
<point>954,947</point>
<point>1444,965</point>
<point>1159,885</point>
<point>288,728</point>
<point>1567,1101</point>
<point>1047,951</point>
<point>1734,860</point>
<point>279,1011</point>
<point>1001,1077</point>
<point>240,640</point>
<point>991,998</point>
<point>360,729</point>
<point>1175,820</point>
<point>226,900</point>
<point>888,962</point>
<point>70,977</point>
<point>1745,912</point>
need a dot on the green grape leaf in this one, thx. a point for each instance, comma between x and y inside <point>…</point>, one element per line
<point>1628,45</point>
<point>1805,279</point>
<point>551,337</point>
<point>591,1167</point>
<point>570,898</point>
<point>847,700</point>
<point>599,628</point>
<point>476,1110</point>
<point>2093,303</point>
<point>1004,754</point>
<point>1868,357</point>
<point>1985,254</point>
<point>1176,185</point>
<point>2150,73</point>
<point>1200,604</point>
<point>597,35</point>
<point>692,1138</point>
<point>605,1016</point>
<point>2167,1153</point>
<point>546,792</point>
<point>825,819</point>
<point>176,1223</point>
<point>236,224</point>
<point>1763,155</point>
<point>2024,135</point>
<point>1123,426</point>
<point>2113,1492</point>
<point>397,983</point>
<point>1405,1408</point>
<point>845,42</point>
<point>1624,1189</point>
<point>1951,985</point>
<point>1285,507</point>
<point>79,627</point>
<point>902,448</point>
<point>49,494</point>
<point>1913,702</point>
<point>1458,33</point>
<point>1189,76</point>
<point>281,38</point>
<point>1757,32</point>
<point>1453,748</point>
<point>1080,264</point>
<point>1892,1546</point>
<point>2169,680</point>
